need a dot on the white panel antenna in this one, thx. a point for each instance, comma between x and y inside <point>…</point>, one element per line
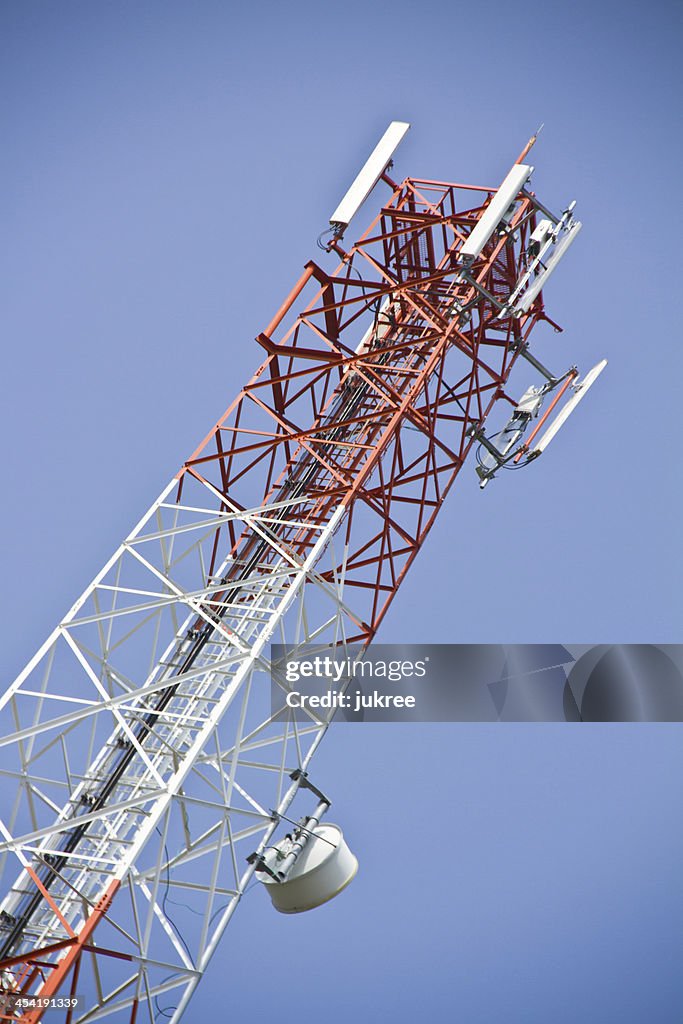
<point>495,211</point>
<point>368,176</point>
<point>581,390</point>
<point>542,279</point>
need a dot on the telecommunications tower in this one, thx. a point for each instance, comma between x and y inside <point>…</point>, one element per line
<point>146,778</point>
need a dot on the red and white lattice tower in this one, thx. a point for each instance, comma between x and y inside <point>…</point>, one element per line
<point>141,760</point>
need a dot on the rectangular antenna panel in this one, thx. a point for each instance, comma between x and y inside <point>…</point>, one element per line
<point>489,221</point>
<point>372,170</point>
<point>569,407</point>
<point>542,279</point>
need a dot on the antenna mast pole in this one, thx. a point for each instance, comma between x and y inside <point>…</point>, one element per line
<point>140,741</point>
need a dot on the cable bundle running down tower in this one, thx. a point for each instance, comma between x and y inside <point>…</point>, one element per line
<point>149,772</point>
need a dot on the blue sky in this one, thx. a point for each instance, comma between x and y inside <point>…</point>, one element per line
<point>168,167</point>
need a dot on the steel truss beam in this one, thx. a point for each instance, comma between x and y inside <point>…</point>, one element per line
<point>140,740</point>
